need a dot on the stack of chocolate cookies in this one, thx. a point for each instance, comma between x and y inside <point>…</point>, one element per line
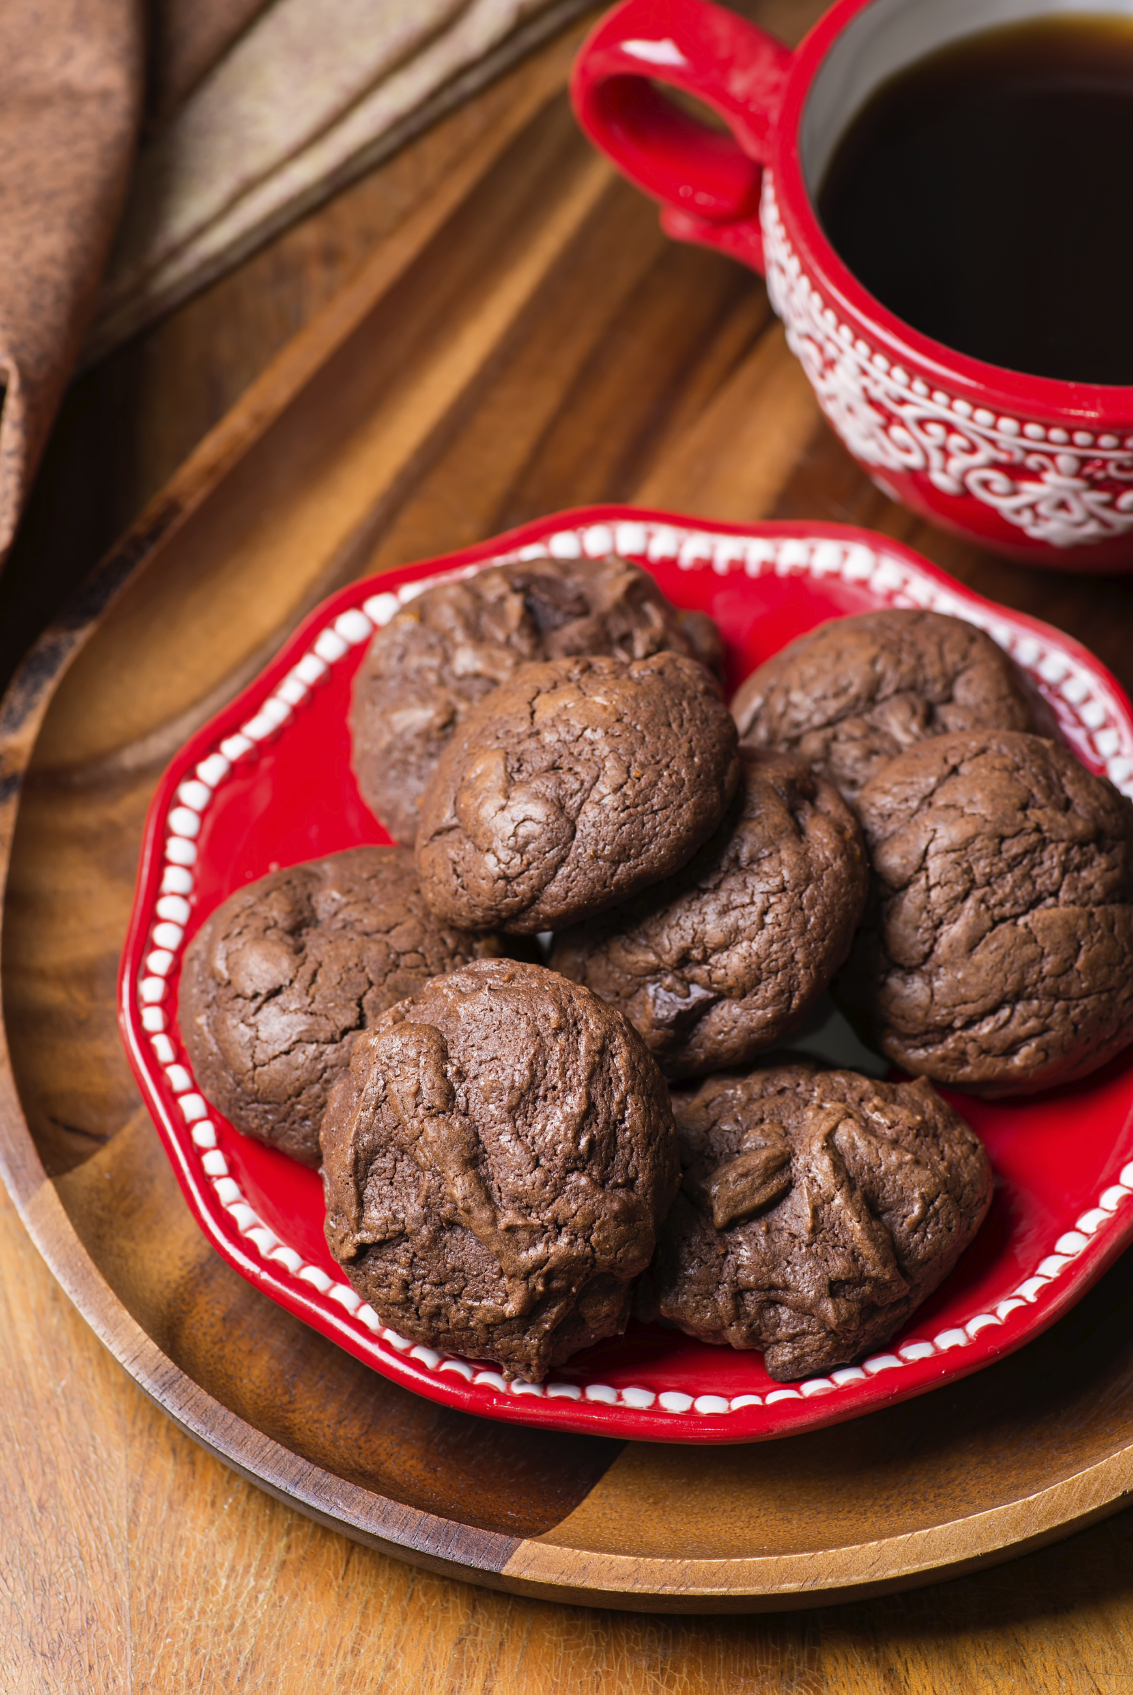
<point>995,950</point>
<point>506,1170</point>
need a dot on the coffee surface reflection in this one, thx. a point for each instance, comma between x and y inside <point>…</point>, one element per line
<point>984,196</point>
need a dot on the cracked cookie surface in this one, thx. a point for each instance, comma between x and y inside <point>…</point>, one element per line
<point>281,978</point>
<point>574,785</point>
<point>456,642</point>
<point>997,948</point>
<point>497,1160</point>
<point>855,692</point>
<point>817,1210</point>
<point>720,961</point>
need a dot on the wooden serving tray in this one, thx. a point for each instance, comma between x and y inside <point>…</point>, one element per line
<point>527,343</point>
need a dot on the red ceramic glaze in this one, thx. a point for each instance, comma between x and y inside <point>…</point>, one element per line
<point>1035,468</point>
<point>268,783</point>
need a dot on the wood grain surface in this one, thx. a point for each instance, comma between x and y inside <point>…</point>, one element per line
<point>514,336</point>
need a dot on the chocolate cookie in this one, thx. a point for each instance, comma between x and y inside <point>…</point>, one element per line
<point>282,977</point>
<point>818,1209</point>
<point>574,785</point>
<point>855,692</point>
<point>498,1159</point>
<point>720,961</point>
<point>457,641</point>
<point>998,949</point>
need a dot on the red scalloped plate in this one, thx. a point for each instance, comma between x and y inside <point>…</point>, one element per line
<point>268,783</point>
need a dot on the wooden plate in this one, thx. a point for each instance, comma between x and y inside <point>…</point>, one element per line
<point>268,783</point>
<point>525,340</point>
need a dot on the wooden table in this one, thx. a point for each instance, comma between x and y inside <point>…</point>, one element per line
<point>131,1559</point>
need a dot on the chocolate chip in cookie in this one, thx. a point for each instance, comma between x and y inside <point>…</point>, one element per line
<point>722,960</point>
<point>572,786</point>
<point>497,1161</point>
<point>818,1209</point>
<point>457,641</point>
<point>998,949</point>
<point>281,978</point>
<point>855,692</point>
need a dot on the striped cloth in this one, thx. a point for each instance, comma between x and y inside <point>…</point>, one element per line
<point>311,94</point>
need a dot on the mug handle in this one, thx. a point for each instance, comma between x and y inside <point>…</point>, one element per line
<point>708,183</point>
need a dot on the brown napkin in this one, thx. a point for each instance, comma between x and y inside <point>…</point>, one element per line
<point>309,94</point>
<point>186,38</point>
<point>70,95</point>
<point>256,111</point>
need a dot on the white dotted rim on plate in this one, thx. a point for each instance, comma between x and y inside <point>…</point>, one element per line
<point>1088,715</point>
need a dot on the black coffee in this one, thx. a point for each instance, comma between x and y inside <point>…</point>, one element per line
<point>985,195</point>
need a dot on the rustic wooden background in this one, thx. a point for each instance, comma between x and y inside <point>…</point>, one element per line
<point>133,1561</point>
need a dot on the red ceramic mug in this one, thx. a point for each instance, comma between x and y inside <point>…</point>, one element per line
<point>1033,467</point>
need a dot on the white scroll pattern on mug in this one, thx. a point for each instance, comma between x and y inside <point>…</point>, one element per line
<point>1057,486</point>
